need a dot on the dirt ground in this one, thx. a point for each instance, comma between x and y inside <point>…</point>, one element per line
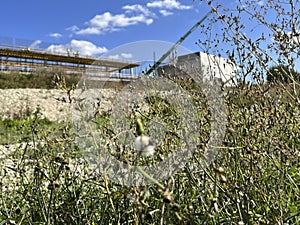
<point>53,104</point>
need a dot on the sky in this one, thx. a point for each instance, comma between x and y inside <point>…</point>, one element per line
<point>99,27</point>
<point>95,27</point>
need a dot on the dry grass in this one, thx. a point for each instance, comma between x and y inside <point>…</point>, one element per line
<point>256,181</point>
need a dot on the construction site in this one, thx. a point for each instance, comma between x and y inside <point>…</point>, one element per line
<point>26,59</point>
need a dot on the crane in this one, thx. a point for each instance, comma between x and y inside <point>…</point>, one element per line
<point>164,56</point>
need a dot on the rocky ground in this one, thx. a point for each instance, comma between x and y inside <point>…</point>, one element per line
<point>19,102</point>
<point>53,104</point>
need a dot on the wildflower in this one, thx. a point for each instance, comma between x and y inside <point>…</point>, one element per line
<point>143,143</point>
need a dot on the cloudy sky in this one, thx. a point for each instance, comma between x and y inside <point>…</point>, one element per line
<point>94,27</point>
<point>97,27</point>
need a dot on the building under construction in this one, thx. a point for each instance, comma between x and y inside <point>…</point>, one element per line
<point>27,60</point>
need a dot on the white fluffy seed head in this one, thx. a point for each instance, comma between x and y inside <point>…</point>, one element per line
<point>144,146</point>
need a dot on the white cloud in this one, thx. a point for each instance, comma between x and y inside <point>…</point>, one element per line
<point>108,22</point>
<point>73,28</point>
<point>35,44</point>
<point>138,8</point>
<point>90,30</point>
<point>165,12</point>
<point>57,48</point>
<point>168,4</point>
<point>132,15</point>
<point>55,35</point>
<point>120,56</point>
<point>84,48</point>
<point>126,55</point>
<point>114,57</point>
<point>87,48</point>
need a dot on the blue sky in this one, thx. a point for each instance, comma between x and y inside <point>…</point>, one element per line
<point>96,27</point>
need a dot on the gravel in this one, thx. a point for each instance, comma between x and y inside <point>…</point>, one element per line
<point>53,104</point>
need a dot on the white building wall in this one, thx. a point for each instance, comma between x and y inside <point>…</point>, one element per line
<point>210,66</point>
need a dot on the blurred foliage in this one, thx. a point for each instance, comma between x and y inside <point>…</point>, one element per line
<point>282,73</point>
<point>254,180</point>
<point>39,80</point>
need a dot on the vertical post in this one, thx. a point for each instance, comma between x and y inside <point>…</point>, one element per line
<point>154,64</point>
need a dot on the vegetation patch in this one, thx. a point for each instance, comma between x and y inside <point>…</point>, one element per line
<point>39,79</point>
<point>254,178</point>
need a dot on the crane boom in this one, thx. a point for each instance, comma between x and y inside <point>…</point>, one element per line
<point>164,56</point>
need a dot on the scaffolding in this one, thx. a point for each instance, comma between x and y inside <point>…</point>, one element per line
<point>27,60</point>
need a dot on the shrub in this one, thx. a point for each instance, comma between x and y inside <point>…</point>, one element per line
<point>282,73</point>
<point>39,79</point>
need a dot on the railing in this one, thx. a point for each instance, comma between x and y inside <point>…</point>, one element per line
<point>20,44</point>
<point>21,61</point>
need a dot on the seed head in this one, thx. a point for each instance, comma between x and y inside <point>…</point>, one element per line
<point>144,146</point>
